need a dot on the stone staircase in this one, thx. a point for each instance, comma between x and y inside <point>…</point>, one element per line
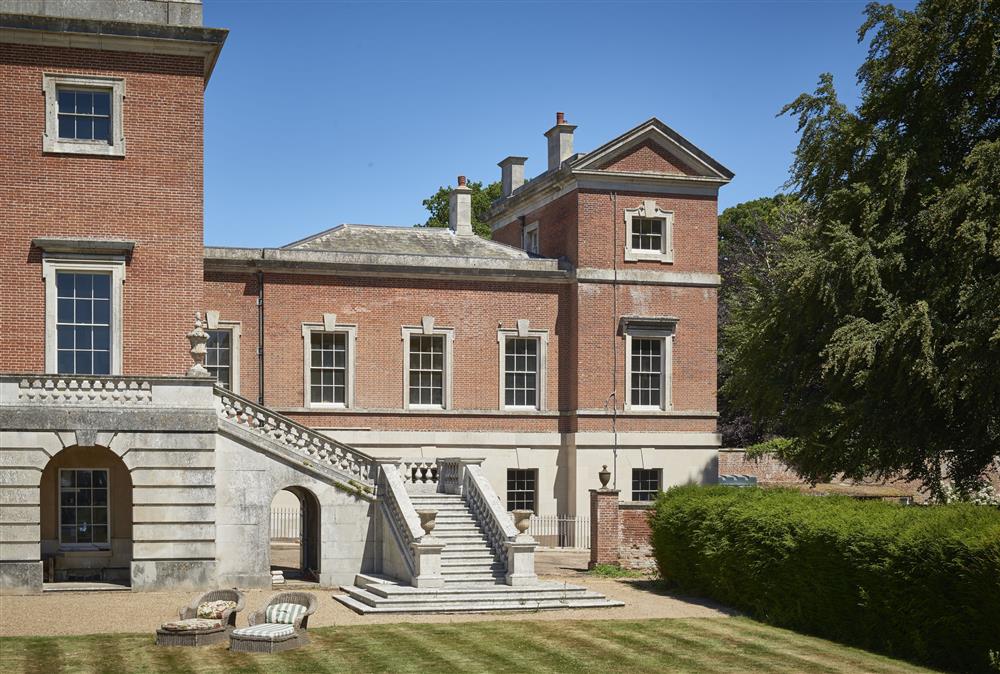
<point>466,558</point>
<point>473,577</point>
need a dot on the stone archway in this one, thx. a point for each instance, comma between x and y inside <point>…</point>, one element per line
<point>301,561</point>
<point>85,504</point>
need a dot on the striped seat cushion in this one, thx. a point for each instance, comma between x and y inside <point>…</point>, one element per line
<point>284,613</point>
<point>265,631</point>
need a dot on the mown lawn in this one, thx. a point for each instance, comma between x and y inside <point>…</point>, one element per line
<point>691,645</point>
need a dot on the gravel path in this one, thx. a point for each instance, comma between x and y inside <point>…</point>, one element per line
<point>66,613</point>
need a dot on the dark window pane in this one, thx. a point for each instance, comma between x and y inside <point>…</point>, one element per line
<point>67,126</point>
<point>102,312</point>
<point>100,479</point>
<point>65,311</point>
<point>83,338</point>
<point>66,101</point>
<point>65,362</point>
<point>84,311</point>
<point>102,362</point>
<point>84,362</point>
<point>101,129</point>
<point>68,515</point>
<point>64,284</point>
<point>84,128</point>
<point>68,534</point>
<point>100,534</point>
<point>84,285</point>
<point>102,103</point>
<point>84,102</point>
<point>64,337</point>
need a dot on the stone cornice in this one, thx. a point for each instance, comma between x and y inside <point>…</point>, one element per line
<point>385,265</point>
<point>648,277</point>
<point>205,43</point>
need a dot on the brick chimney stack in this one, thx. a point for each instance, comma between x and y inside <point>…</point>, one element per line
<point>560,141</point>
<point>511,174</point>
<point>460,209</point>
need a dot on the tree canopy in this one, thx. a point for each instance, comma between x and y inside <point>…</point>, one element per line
<point>874,342</point>
<point>482,197</point>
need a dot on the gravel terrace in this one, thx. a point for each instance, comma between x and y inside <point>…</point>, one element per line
<point>64,613</point>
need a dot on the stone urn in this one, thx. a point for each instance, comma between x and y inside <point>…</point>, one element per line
<point>428,520</point>
<point>604,476</point>
<point>522,520</point>
<point>198,338</point>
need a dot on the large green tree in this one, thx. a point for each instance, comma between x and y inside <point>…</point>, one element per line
<point>749,245</point>
<point>875,344</point>
<point>482,197</point>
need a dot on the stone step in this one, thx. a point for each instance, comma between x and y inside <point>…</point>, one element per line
<point>441,508</point>
<point>459,537</point>
<point>485,554</point>
<point>469,599</point>
<point>463,548</point>
<point>471,564</point>
<point>460,577</point>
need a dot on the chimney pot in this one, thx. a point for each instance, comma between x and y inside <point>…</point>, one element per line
<point>560,141</point>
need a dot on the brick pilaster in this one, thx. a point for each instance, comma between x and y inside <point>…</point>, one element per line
<point>605,527</point>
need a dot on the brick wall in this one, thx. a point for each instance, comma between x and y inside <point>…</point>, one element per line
<point>648,157</point>
<point>619,532</point>
<point>153,196</point>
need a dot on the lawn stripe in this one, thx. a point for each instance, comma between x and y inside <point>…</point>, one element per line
<point>703,654</point>
<point>172,659</point>
<point>601,654</point>
<point>432,650</point>
<point>631,646</point>
<point>492,653</point>
<point>43,656</point>
<point>105,654</point>
<point>764,645</point>
<point>851,656</point>
<point>553,660</point>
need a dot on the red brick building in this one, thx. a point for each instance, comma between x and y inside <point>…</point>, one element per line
<point>583,334</point>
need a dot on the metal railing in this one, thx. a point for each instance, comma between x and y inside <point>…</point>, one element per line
<point>286,524</point>
<point>560,531</point>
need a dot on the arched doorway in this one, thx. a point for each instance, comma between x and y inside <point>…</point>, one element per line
<point>86,517</point>
<point>295,539</point>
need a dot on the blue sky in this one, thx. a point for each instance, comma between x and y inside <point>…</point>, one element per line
<point>320,113</point>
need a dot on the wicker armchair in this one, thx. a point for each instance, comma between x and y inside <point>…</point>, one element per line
<point>228,617</point>
<point>200,636</point>
<point>265,644</point>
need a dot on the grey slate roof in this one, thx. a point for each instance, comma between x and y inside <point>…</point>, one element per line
<point>423,241</point>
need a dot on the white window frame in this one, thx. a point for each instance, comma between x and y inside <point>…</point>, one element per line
<point>51,267</point>
<point>351,331</point>
<point>650,211</point>
<point>59,506</point>
<point>666,336</point>
<point>235,329</point>
<point>51,142</point>
<point>427,327</point>
<point>523,332</point>
<point>529,230</point>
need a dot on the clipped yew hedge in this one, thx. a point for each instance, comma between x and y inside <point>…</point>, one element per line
<point>920,583</point>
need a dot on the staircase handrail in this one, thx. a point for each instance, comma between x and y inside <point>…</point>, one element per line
<point>296,437</point>
<point>489,512</point>
<point>402,515</point>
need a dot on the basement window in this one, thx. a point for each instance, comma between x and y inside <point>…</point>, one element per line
<point>83,507</point>
<point>521,489</point>
<point>646,483</point>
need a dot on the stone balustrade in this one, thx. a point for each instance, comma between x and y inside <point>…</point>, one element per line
<point>295,437</point>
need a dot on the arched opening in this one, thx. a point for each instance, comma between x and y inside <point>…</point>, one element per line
<point>86,517</point>
<point>295,539</point>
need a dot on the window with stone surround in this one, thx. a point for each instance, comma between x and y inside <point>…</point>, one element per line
<point>649,233</point>
<point>83,507</point>
<point>329,365</point>
<point>648,362</point>
<point>522,485</point>
<point>427,370</point>
<point>522,367</point>
<point>83,114</point>
<point>646,483</point>
<point>427,365</point>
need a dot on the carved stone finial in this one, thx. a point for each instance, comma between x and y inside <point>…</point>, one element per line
<point>198,338</point>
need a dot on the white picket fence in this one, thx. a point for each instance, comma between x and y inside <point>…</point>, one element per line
<point>560,531</point>
<point>286,524</point>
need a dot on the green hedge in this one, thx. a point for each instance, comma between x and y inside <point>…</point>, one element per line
<point>921,583</point>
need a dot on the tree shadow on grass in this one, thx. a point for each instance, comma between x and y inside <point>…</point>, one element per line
<point>658,587</point>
